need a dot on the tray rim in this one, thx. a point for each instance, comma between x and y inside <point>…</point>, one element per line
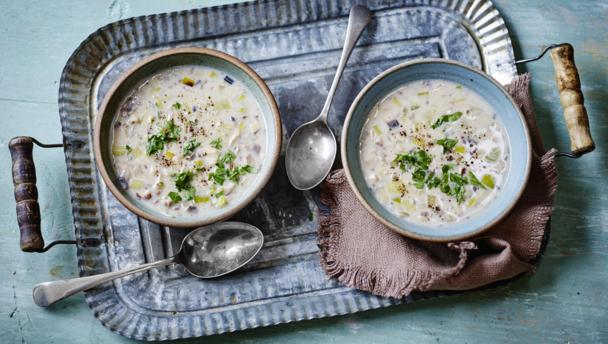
<point>474,16</point>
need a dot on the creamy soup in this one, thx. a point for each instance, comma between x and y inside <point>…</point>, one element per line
<point>189,139</point>
<point>433,151</point>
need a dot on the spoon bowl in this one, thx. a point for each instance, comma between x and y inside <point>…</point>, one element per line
<point>311,152</point>
<point>219,249</point>
<point>206,252</point>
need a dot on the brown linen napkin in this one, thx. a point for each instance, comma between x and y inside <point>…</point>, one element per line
<point>363,253</point>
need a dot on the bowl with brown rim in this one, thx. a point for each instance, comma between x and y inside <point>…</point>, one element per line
<point>136,76</point>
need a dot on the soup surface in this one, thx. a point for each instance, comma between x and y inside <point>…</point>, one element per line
<point>433,151</point>
<point>190,139</point>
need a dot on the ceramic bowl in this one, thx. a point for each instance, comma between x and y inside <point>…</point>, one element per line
<point>488,88</point>
<point>150,66</point>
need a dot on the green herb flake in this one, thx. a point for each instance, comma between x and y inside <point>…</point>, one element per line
<point>217,143</point>
<point>190,146</point>
<point>177,105</point>
<point>419,159</point>
<point>129,149</point>
<point>452,117</point>
<point>449,183</point>
<point>168,133</point>
<point>156,143</point>
<point>219,176</point>
<point>232,173</point>
<point>454,186</point>
<point>191,193</point>
<point>227,158</point>
<point>432,181</point>
<point>419,177</point>
<point>174,196</point>
<point>236,173</point>
<point>183,180</point>
<point>447,144</point>
<point>474,181</point>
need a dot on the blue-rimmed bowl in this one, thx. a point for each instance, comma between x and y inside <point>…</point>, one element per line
<point>507,111</point>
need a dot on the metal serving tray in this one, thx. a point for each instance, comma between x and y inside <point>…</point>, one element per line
<point>294,46</point>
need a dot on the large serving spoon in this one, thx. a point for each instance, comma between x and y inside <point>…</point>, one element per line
<point>311,150</point>
<point>206,252</point>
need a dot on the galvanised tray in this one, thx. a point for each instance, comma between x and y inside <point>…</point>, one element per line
<point>295,46</point>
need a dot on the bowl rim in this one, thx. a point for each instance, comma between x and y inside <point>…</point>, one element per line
<point>103,116</point>
<point>403,231</point>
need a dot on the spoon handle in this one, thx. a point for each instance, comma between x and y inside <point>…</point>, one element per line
<point>47,293</point>
<point>358,19</point>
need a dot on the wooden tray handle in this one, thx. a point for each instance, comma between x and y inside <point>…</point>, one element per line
<point>571,97</point>
<point>26,193</point>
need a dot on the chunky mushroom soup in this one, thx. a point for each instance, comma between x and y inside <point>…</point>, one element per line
<point>189,139</point>
<point>433,151</point>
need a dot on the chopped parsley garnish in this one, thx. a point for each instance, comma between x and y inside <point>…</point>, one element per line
<point>446,118</point>
<point>227,158</point>
<point>177,105</point>
<point>219,176</point>
<point>174,196</point>
<point>419,177</point>
<point>419,159</point>
<point>191,193</point>
<point>182,183</point>
<point>183,179</point>
<point>450,183</point>
<point>455,186</point>
<point>190,146</point>
<point>129,149</point>
<point>224,171</point>
<point>236,173</point>
<point>447,144</point>
<point>474,181</point>
<point>217,143</point>
<point>432,181</point>
<point>168,133</point>
<point>156,143</point>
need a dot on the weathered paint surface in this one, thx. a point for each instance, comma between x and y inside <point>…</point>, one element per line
<point>565,301</point>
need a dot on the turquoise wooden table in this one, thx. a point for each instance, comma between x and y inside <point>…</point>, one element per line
<point>565,301</point>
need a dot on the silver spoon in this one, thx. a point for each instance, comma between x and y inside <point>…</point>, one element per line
<point>206,252</point>
<point>311,150</point>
